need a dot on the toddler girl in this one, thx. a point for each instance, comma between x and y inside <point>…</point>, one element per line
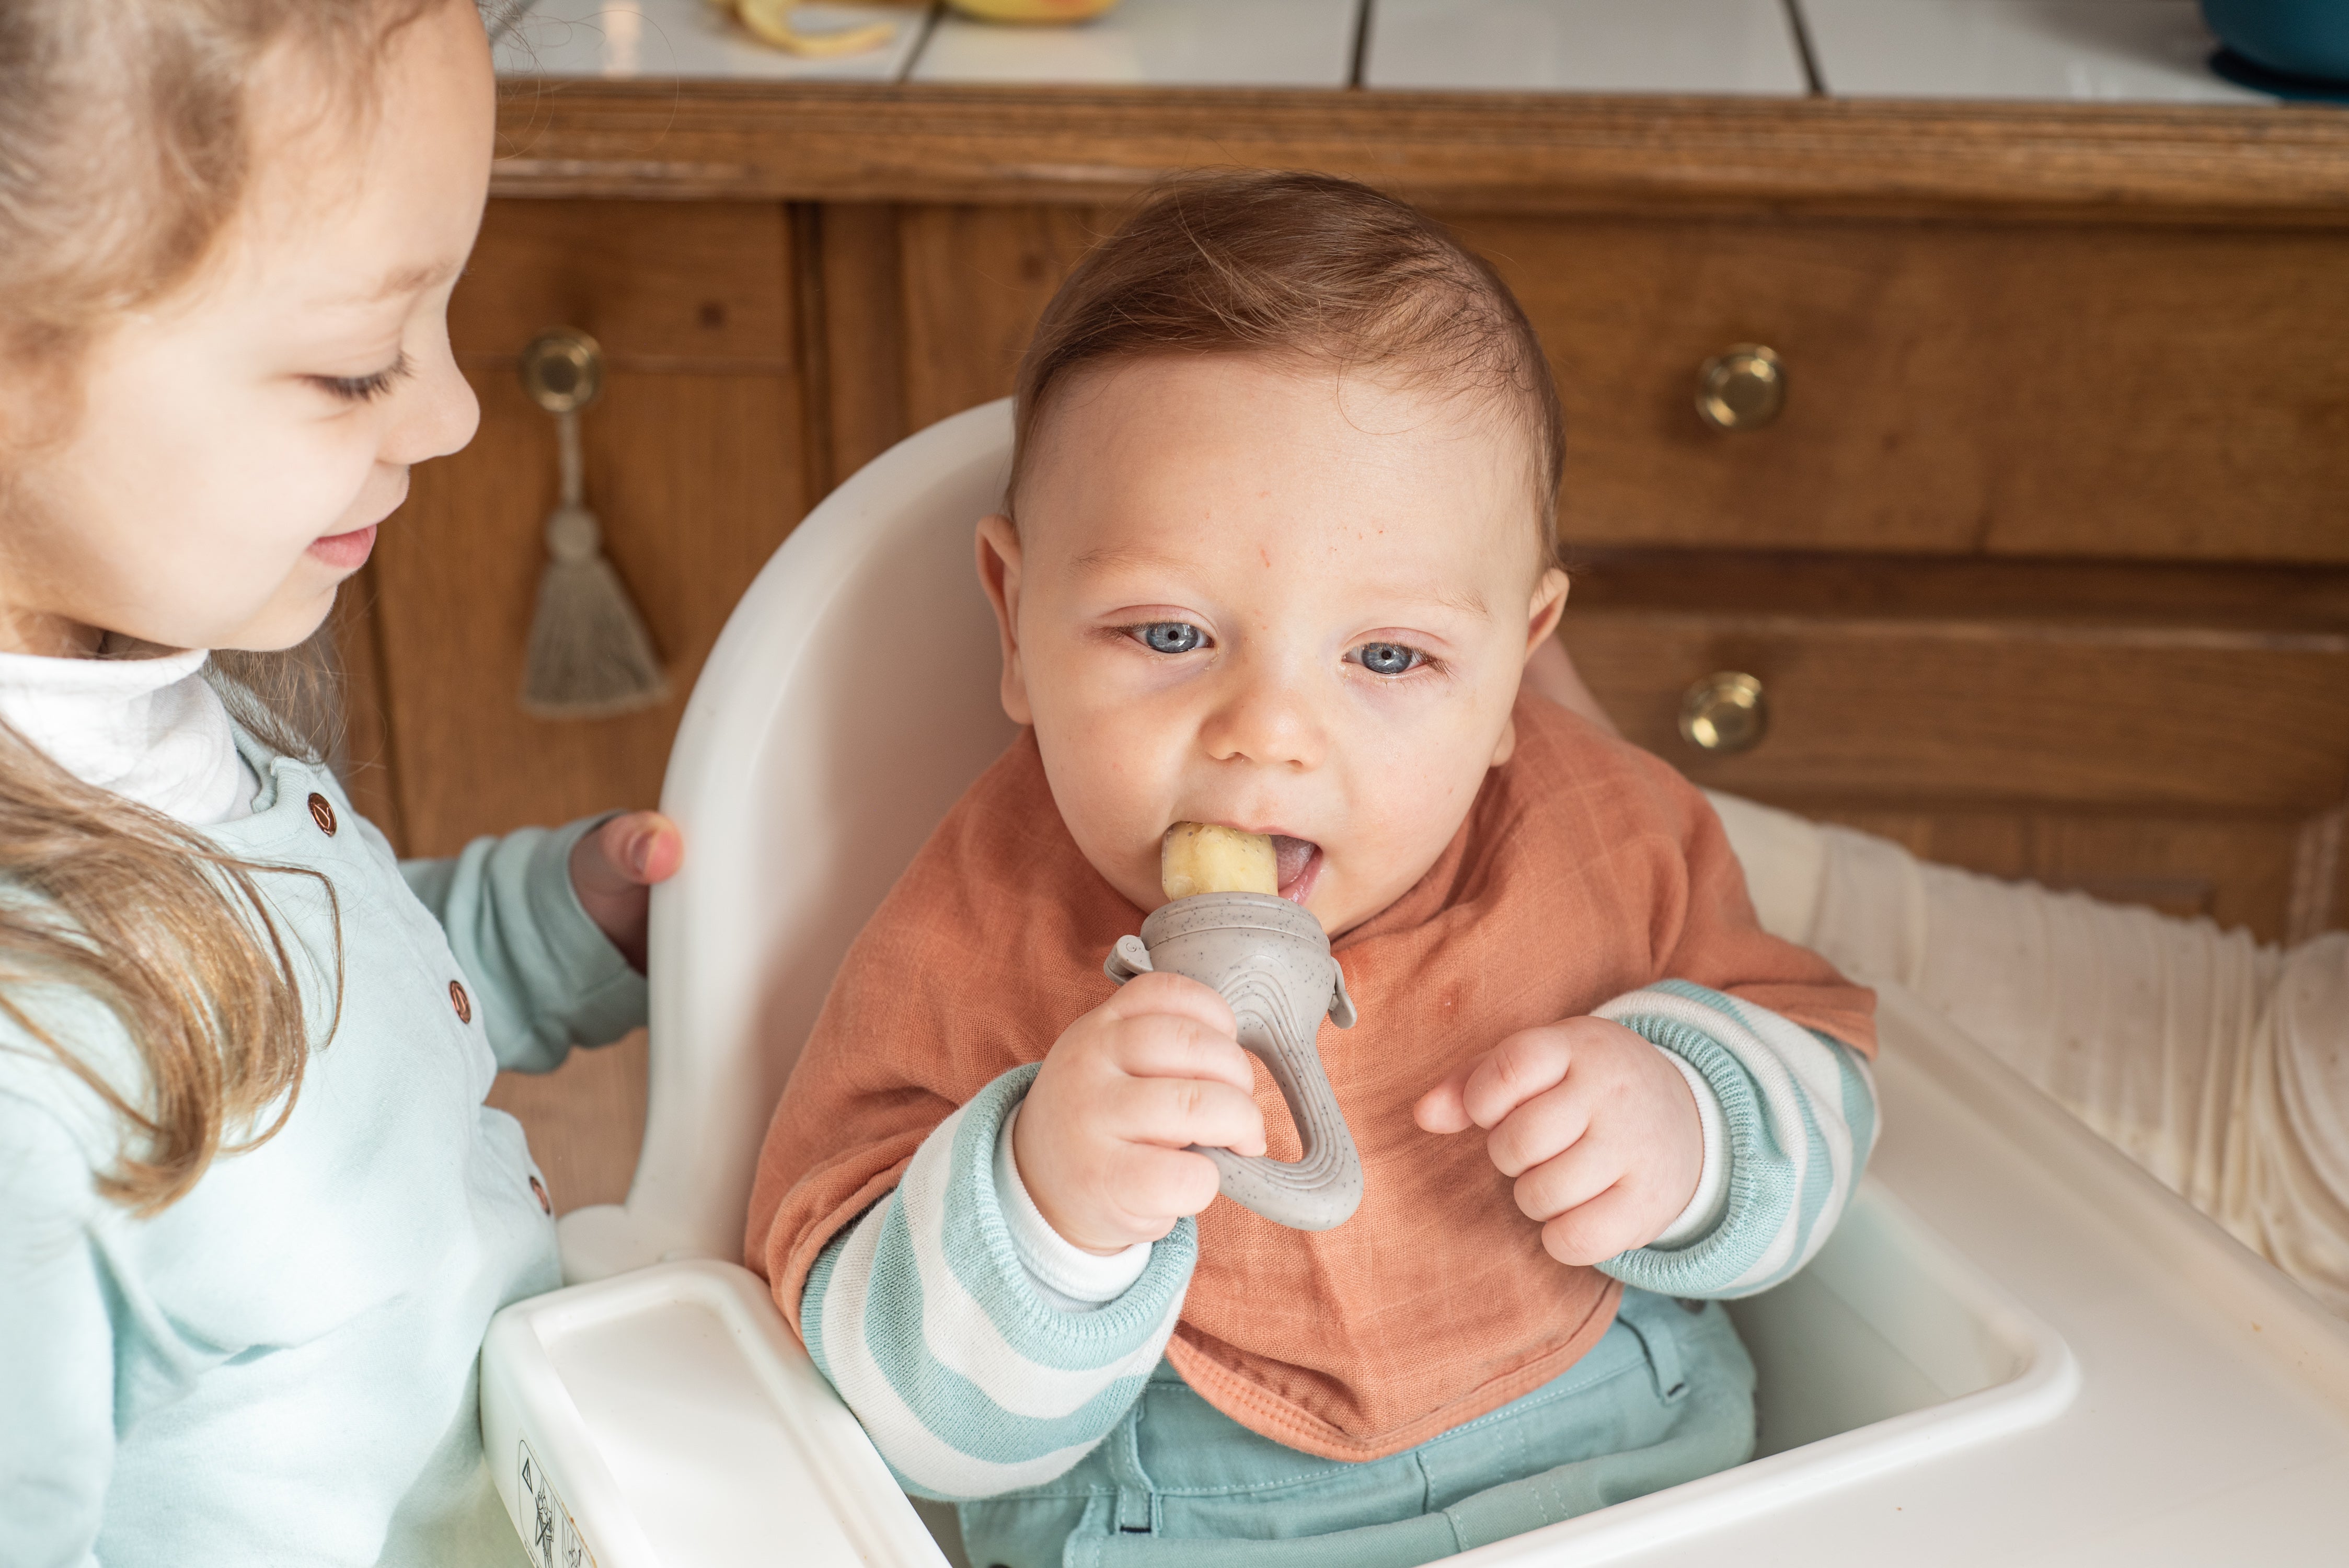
<point>1279,543</point>
<point>255,1216</point>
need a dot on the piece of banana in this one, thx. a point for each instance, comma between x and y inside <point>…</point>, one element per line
<point>771,21</point>
<point>1196,857</point>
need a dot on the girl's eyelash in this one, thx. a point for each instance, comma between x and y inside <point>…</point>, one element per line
<point>366,388</point>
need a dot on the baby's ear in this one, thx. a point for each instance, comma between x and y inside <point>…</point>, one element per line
<point>1506,746</point>
<point>1548,605</point>
<point>997,543</point>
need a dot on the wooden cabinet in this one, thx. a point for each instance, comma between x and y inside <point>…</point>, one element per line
<point>2173,737</point>
<point>2043,569</point>
<point>696,465</point>
<point>1953,388</point>
<point>1956,561</point>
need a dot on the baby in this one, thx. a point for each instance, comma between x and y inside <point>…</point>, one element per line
<point>1279,543</point>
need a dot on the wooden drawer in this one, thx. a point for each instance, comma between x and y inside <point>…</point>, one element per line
<point>2174,737</point>
<point>662,287</point>
<point>2055,391</point>
<point>2138,393</point>
<point>2162,720</point>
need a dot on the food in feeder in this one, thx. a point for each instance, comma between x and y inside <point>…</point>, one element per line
<point>1198,857</point>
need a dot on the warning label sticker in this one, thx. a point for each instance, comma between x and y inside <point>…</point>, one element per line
<point>550,1533</point>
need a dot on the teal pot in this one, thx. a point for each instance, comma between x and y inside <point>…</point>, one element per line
<point>2303,38</point>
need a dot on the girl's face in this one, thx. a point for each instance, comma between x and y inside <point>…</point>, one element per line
<point>238,444</point>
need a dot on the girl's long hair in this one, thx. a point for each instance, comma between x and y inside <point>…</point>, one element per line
<point>124,155</point>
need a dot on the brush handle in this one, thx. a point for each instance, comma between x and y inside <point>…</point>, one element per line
<point>1280,980</point>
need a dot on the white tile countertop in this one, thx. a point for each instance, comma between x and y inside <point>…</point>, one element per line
<point>1157,43</point>
<point>2026,50</point>
<point>2110,50</point>
<point>618,39</point>
<point>1585,46</point>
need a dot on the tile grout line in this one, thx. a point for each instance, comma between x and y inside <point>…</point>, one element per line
<point>928,22</point>
<point>1802,30</point>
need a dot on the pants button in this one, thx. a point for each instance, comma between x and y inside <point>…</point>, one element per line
<point>459,1000</point>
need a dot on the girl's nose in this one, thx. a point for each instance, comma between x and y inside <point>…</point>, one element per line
<point>438,413</point>
<point>1267,718</point>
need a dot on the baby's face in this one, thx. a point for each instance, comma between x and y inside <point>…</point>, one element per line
<point>1263,597</point>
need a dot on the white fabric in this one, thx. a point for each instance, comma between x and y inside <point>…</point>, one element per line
<point>151,731</point>
<point>1710,1200</point>
<point>2219,1065</point>
<point>1065,1275</point>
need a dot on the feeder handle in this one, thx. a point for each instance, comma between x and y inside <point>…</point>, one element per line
<point>1322,1188</point>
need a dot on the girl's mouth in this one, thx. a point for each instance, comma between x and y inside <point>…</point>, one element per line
<point>1297,866</point>
<point>345,552</point>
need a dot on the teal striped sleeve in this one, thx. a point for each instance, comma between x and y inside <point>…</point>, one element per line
<point>969,1381</point>
<point>1800,1109</point>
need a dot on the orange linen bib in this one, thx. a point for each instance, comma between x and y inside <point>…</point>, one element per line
<point>1586,869</point>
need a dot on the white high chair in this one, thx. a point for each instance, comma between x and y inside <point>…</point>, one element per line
<point>2017,1348</point>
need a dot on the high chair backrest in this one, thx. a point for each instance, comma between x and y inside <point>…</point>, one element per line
<point>849,701</point>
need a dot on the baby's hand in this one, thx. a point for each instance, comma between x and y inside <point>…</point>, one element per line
<point>1103,1136</point>
<point>613,869</point>
<point>1600,1132</point>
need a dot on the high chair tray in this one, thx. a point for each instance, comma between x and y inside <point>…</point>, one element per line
<point>2017,1348</point>
<point>667,1416</point>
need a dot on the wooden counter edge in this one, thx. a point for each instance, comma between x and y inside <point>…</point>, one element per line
<point>1486,152</point>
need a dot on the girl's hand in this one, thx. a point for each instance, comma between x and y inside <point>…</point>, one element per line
<point>1599,1130</point>
<point>613,867</point>
<point>1102,1141</point>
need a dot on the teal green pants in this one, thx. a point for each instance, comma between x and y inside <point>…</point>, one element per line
<point>1666,1395</point>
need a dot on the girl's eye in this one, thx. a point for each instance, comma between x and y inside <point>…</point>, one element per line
<point>1171,637</point>
<point>1389,659</point>
<point>366,388</point>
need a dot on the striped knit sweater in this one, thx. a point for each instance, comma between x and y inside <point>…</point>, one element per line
<point>984,1355</point>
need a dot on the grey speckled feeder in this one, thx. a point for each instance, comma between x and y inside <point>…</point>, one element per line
<point>1270,960</point>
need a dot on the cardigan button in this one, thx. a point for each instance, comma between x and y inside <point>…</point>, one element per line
<point>322,811</point>
<point>459,1000</point>
<point>538,1191</point>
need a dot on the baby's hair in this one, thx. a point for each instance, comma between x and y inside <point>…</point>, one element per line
<point>125,157</point>
<point>1306,267</point>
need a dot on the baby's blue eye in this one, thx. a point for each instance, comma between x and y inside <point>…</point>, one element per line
<point>1389,659</point>
<point>1172,636</point>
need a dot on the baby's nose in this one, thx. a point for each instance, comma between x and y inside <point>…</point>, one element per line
<point>1268,722</point>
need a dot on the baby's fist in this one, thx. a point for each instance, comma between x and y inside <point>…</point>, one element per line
<point>1597,1129</point>
<point>1103,1140</point>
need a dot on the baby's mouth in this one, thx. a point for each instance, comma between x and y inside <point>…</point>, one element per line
<point>1297,864</point>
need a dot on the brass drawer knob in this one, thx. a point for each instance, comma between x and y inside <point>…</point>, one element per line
<point>1743,387</point>
<point>1725,714</point>
<point>562,370</point>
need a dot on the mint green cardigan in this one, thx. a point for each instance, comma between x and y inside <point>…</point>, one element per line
<point>280,1367</point>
